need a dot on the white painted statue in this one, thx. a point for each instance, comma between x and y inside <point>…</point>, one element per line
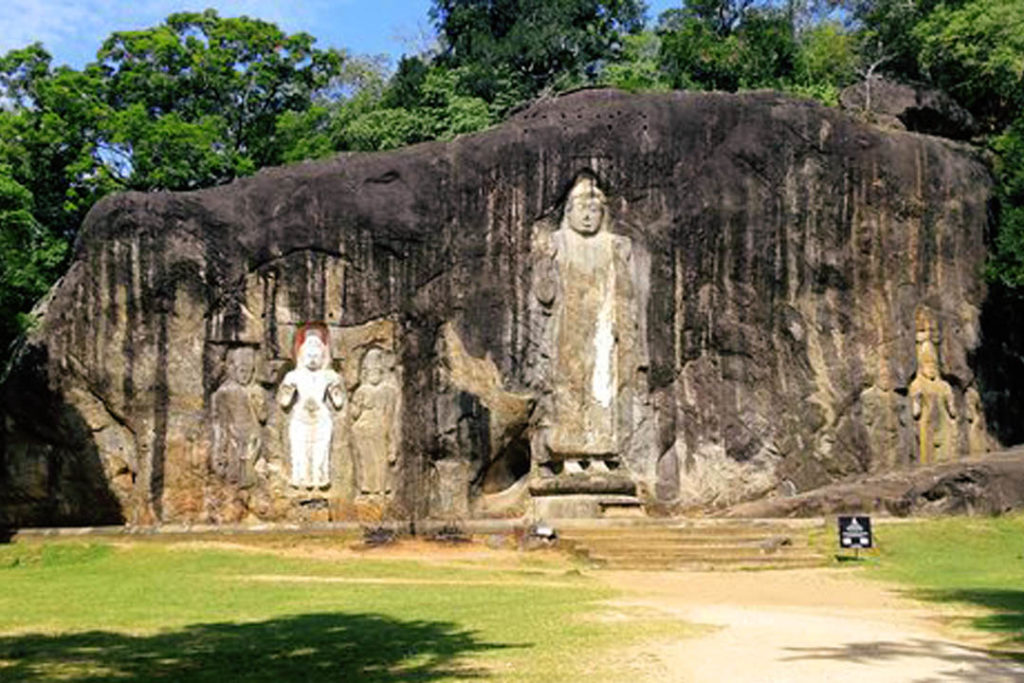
<point>310,391</point>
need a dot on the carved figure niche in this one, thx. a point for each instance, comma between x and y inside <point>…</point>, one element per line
<point>374,415</point>
<point>311,393</point>
<point>931,398</point>
<point>239,412</point>
<point>582,280</point>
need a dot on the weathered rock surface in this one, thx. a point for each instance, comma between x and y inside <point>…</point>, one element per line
<point>913,107</point>
<point>772,273</point>
<point>991,487</point>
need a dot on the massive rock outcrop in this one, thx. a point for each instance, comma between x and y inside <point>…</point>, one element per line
<point>674,300</point>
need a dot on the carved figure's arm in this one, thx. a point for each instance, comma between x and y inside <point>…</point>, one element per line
<point>355,406</point>
<point>336,392</point>
<point>545,281</point>
<point>287,391</point>
<point>915,405</point>
<point>258,403</point>
<point>545,270</point>
<point>393,426</point>
<point>950,403</point>
<point>215,412</point>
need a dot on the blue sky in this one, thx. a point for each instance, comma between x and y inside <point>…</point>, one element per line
<point>72,30</point>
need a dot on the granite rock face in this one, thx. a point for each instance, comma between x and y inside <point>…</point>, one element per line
<point>910,106</point>
<point>678,301</point>
<point>994,486</point>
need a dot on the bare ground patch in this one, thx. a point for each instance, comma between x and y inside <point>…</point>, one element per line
<point>800,625</point>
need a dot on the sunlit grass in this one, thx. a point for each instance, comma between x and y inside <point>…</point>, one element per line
<point>144,610</point>
<point>976,562</point>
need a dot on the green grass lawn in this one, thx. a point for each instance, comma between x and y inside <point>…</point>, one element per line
<point>976,562</point>
<point>92,610</point>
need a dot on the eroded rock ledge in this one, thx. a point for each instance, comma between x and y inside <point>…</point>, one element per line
<point>671,301</point>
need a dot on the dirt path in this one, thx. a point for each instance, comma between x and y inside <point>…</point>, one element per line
<point>795,626</point>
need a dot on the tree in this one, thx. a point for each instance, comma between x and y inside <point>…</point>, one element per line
<point>1006,264</point>
<point>695,57</point>
<point>47,137</point>
<point>827,61</point>
<point>975,51</point>
<point>512,50</point>
<point>428,105</point>
<point>196,100</point>
<point>728,45</point>
<point>193,102</point>
<point>30,258</point>
<point>637,66</point>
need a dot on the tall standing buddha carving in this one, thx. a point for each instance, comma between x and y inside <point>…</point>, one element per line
<point>583,282</point>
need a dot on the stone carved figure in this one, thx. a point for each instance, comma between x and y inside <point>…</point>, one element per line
<point>312,391</point>
<point>374,412</point>
<point>978,441</point>
<point>932,404</point>
<point>239,412</point>
<point>583,279</point>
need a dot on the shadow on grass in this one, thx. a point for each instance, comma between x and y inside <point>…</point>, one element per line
<point>968,664</point>
<point>323,647</point>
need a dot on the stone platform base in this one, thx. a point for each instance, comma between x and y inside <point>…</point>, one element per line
<point>585,506</point>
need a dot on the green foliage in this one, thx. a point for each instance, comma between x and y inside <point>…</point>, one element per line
<point>828,56</point>
<point>768,49</point>
<point>886,33</point>
<point>381,129</point>
<point>637,67</point>
<point>305,134</point>
<point>720,46</point>
<point>47,136</point>
<point>1007,259</point>
<point>426,104</point>
<point>193,102</point>
<point>695,57</point>
<point>30,258</point>
<point>975,51</point>
<point>196,100</point>
<point>512,50</point>
<point>826,61</point>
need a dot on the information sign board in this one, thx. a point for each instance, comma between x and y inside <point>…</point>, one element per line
<point>855,532</point>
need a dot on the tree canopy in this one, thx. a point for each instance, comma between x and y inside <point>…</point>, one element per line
<point>509,50</point>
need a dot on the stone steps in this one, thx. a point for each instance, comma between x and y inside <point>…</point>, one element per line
<point>707,563</point>
<point>697,545</point>
<point>689,546</point>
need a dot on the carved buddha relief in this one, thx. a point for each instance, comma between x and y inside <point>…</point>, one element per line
<point>592,340</point>
<point>374,413</point>
<point>239,412</point>
<point>312,392</point>
<point>583,287</point>
<point>932,402</point>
